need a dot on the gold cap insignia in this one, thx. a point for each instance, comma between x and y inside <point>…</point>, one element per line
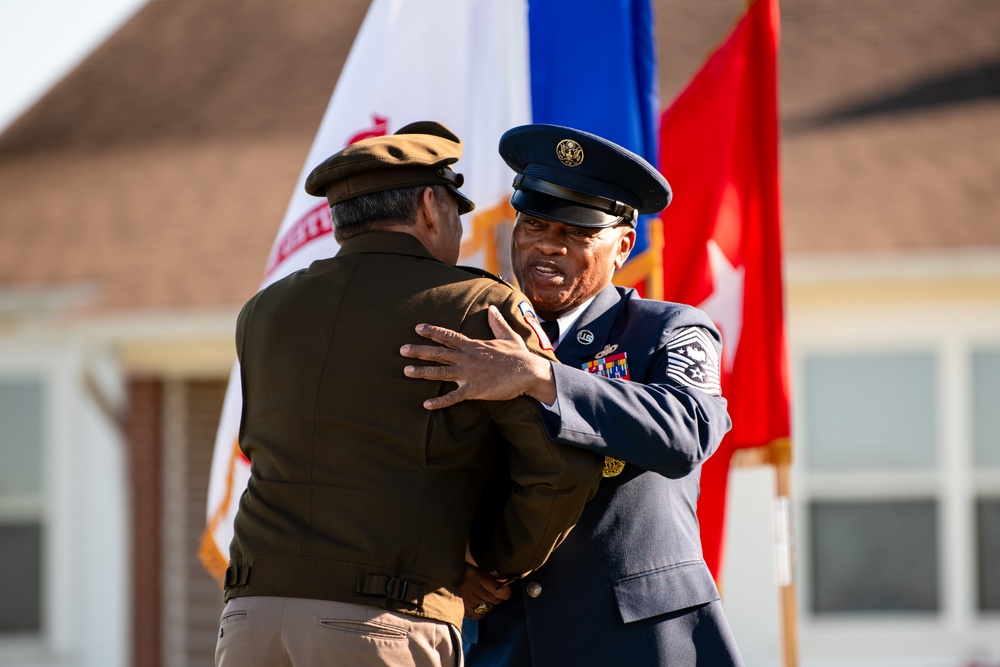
<point>613,467</point>
<point>569,153</point>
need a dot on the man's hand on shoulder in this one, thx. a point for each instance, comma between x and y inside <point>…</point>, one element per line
<point>495,370</point>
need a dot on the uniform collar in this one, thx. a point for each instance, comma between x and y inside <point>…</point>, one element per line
<point>386,243</point>
<point>589,334</point>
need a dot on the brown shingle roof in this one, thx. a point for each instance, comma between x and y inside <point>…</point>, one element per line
<point>187,71</point>
<point>160,168</point>
<point>891,115</point>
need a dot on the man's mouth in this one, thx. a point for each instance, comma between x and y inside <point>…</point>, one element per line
<point>546,273</point>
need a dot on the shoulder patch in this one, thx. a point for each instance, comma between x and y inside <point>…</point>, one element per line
<point>483,273</point>
<point>693,361</point>
<point>528,314</point>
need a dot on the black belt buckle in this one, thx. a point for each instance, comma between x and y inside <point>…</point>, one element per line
<point>395,589</point>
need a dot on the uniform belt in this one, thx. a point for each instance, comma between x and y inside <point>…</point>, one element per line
<point>237,576</point>
<point>393,588</point>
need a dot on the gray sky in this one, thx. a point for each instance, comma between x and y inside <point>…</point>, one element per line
<point>42,40</point>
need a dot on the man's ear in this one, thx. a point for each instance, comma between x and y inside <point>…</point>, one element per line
<point>428,208</point>
<point>625,245</point>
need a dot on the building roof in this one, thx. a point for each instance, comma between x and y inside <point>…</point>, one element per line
<point>157,172</point>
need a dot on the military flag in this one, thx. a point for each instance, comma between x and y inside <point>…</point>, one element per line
<point>722,241</point>
<point>610,92</point>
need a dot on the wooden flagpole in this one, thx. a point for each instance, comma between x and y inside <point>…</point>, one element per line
<point>781,459</point>
<point>779,455</point>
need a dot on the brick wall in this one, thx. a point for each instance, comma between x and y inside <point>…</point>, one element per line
<point>145,442</point>
<point>176,605</point>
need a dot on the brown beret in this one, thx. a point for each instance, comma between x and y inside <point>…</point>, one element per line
<point>417,154</point>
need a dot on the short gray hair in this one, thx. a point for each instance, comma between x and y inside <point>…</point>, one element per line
<point>377,210</point>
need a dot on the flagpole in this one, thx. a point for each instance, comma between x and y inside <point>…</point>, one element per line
<point>781,458</point>
<point>779,455</point>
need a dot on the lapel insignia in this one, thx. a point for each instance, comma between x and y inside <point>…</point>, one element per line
<point>614,367</point>
<point>612,467</point>
<point>584,337</point>
<point>608,349</point>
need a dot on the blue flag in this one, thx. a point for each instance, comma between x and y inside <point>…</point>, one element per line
<point>593,67</point>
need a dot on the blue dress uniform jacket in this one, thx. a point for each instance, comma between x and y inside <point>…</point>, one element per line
<point>629,585</point>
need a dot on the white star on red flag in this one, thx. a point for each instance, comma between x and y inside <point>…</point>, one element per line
<point>725,304</point>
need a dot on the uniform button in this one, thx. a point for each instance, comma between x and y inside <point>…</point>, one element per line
<point>534,589</point>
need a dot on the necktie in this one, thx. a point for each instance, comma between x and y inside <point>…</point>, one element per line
<point>551,330</point>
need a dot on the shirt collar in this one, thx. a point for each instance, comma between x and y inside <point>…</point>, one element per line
<point>569,318</point>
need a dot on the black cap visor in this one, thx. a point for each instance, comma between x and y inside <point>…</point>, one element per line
<point>464,203</point>
<point>556,209</point>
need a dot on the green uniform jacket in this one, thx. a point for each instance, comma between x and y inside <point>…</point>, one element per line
<point>357,493</point>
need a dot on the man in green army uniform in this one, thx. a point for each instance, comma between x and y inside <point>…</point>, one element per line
<point>352,535</point>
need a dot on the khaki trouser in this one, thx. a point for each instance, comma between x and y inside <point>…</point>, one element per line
<point>292,632</point>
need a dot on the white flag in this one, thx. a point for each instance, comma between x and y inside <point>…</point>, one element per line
<point>463,63</point>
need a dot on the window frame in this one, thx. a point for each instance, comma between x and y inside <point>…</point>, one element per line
<point>38,507</point>
<point>29,508</point>
<point>863,329</point>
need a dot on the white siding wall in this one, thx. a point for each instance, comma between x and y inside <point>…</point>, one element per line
<point>949,307</point>
<point>84,597</point>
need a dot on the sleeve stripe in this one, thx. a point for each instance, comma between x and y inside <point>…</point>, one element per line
<point>693,361</point>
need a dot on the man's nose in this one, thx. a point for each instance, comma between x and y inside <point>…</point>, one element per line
<point>551,243</point>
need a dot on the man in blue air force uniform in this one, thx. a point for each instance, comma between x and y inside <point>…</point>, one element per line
<point>638,383</point>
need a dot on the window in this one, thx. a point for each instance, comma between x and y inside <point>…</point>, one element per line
<point>871,454</point>
<point>986,399</point>
<point>20,576</point>
<point>21,440</point>
<point>871,412</point>
<point>874,556</point>
<point>988,553</point>
<point>986,439</point>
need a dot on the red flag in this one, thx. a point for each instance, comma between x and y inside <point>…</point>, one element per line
<point>722,239</point>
